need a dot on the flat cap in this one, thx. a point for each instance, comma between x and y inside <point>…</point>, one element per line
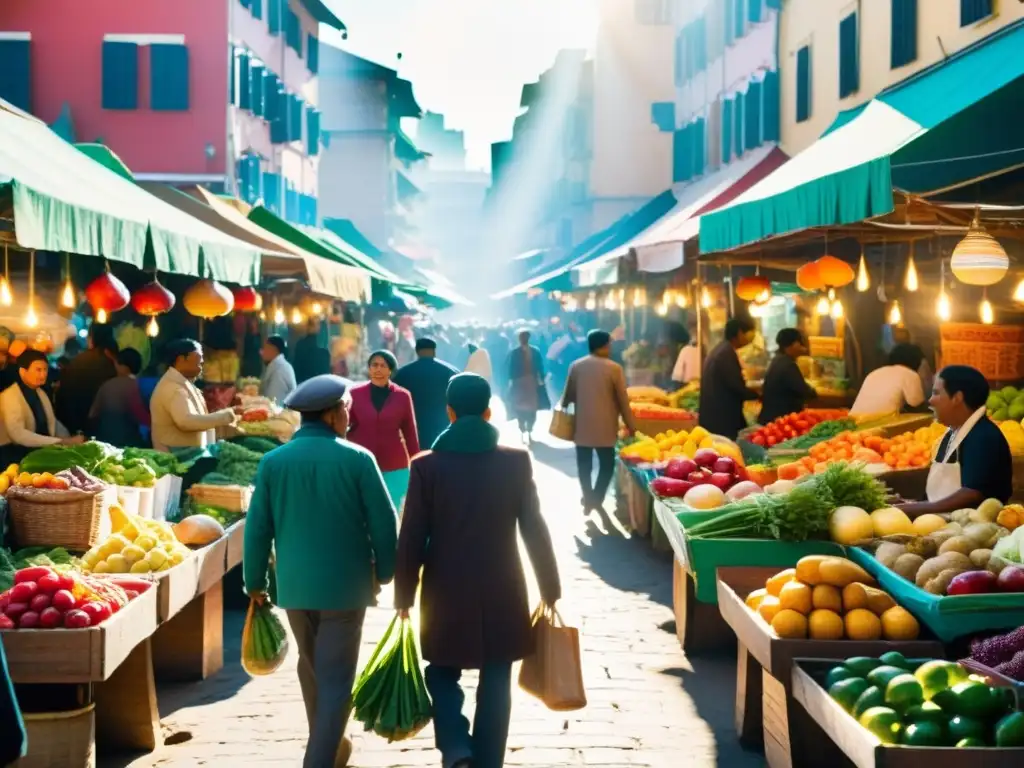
<point>318,394</point>
<point>425,342</point>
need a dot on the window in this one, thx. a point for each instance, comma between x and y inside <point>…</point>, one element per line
<point>975,10</point>
<point>726,131</point>
<point>663,115</point>
<point>803,84</point>
<point>274,15</point>
<point>255,8</point>
<point>16,70</point>
<point>272,192</point>
<point>770,107</point>
<point>752,116</point>
<point>295,119</point>
<point>680,53</point>
<point>312,54</point>
<point>168,77</point>
<point>271,96</point>
<point>257,102</point>
<point>849,66</point>
<point>700,44</point>
<point>698,148</point>
<point>292,31</point>
<point>244,94</point>
<point>904,33</point>
<point>681,155</point>
<point>754,11</point>
<point>737,124</point>
<point>120,75</point>
<point>312,131</point>
<point>653,13</point>
<point>249,178</point>
<point>739,19</point>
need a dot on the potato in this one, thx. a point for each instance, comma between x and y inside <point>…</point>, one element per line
<point>907,565</point>
<point>947,533</point>
<point>980,557</point>
<point>936,565</point>
<point>983,534</point>
<point>924,546</point>
<point>887,553</point>
<point>962,544</point>
<point>996,564</point>
<point>961,516</point>
<point>940,583</point>
<point>987,511</point>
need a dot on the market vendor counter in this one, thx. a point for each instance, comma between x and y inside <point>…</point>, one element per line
<point>83,687</point>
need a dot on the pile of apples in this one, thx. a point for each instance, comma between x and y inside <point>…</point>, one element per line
<point>706,468</point>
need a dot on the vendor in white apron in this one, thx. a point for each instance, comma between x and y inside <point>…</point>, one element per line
<point>972,462</point>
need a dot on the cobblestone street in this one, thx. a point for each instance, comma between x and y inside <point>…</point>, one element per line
<point>649,705</point>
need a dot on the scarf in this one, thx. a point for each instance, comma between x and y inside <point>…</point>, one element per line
<point>35,404</point>
<point>468,434</point>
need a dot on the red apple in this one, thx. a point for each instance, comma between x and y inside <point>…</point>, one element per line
<point>722,479</point>
<point>725,465</point>
<point>680,468</point>
<point>973,583</point>
<point>1011,579</point>
<point>705,457</point>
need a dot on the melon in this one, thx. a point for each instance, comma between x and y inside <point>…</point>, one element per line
<point>198,530</point>
<point>704,497</point>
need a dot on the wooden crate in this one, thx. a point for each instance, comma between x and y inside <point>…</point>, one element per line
<point>862,749</point>
<point>699,626</point>
<point>81,655</point>
<point>640,503</point>
<point>995,350</point>
<point>787,739</point>
<point>178,586</point>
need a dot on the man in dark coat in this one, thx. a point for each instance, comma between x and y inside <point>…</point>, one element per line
<point>722,387</point>
<point>309,359</point>
<point>785,390</point>
<point>427,379</point>
<point>83,377</point>
<point>466,499</point>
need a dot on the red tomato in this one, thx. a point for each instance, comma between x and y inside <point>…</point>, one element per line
<point>771,441</point>
<point>757,439</point>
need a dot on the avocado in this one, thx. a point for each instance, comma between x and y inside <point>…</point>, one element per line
<point>924,734</point>
<point>846,692</point>
<point>895,659</point>
<point>961,728</point>
<point>1010,730</point>
<point>872,697</point>
<point>836,674</point>
<point>928,711</point>
<point>881,676</point>
<point>861,665</point>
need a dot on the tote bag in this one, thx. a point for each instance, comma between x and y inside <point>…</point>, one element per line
<point>553,673</point>
<point>563,424</point>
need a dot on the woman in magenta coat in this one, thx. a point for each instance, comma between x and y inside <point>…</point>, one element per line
<point>383,422</point>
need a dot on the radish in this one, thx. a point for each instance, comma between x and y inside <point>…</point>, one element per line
<point>77,619</point>
<point>24,591</point>
<point>39,603</point>
<point>14,610</point>
<point>6,622</point>
<point>28,620</point>
<point>50,618</point>
<point>63,600</point>
<point>31,574</point>
<point>49,583</point>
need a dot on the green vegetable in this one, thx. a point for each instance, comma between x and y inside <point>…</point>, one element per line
<point>161,463</point>
<point>259,445</point>
<point>57,458</point>
<point>45,556</point>
<point>850,486</point>
<point>819,433</point>
<point>7,570</point>
<point>801,514</point>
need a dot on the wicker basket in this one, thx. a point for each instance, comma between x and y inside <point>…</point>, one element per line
<point>60,738</point>
<point>995,350</point>
<point>69,519</point>
<point>233,498</point>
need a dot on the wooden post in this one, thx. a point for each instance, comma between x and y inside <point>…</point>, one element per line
<point>699,626</point>
<point>748,699</point>
<point>127,717</point>
<point>191,645</point>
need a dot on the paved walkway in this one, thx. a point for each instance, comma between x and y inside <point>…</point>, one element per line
<point>649,705</point>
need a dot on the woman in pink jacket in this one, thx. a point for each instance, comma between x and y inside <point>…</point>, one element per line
<point>383,422</point>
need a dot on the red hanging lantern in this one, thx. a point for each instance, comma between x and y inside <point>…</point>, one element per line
<point>835,273</point>
<point>107,294</point>
<point>208,299</point>
<point>247,299</point>
<point>808,277</point>
<point>755,288</point>
<point>152,299</point>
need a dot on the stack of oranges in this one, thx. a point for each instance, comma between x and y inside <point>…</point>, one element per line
<point>910,450</point>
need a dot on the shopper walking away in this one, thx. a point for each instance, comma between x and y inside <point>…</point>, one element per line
<point>723,389</point>
<point>527,394</point>
<point>479,362</point>
<point>383,422</point>
<point>475,612</point>
<point>427,379</point>
<point>321,506</point>
<point>597,388</point>
<point>84,376</point>
<point>278,379</point>
<point>785,390</point>
<point>119,415</point>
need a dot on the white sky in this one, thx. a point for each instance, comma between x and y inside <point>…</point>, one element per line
<point>467,59</point>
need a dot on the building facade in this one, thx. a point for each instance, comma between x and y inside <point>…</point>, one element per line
<point>216,92</point>
<point>364,168</point>
<point>837,54</point>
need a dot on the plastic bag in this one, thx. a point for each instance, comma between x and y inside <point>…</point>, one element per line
<point>264,640</point>
<point>390,697</point>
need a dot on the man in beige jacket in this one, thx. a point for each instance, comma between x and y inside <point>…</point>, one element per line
<point>597,388</point>
<point>178,409</point>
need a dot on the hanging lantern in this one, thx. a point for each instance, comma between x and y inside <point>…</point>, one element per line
<point>808,277</point>
<point>152,299</point>
<point>681,300</point>
<point>895,314</point>
<point>911,282</point>
<point>1018,292</point>
<point>863,281</point>
<point>591,304</point>
<point>943,308</point>
<point>755,288</point>
<point>106,294</point>
<point>247,299</point>
<point>979,259</point>
<point>834,273</point>
<point>639,297</point>
<point>208,299</point>
<point>6,299</point>
<point>31,319</point>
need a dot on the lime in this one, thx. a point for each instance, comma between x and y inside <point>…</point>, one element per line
<point>883,722</point>
<point>971,741</point>
<point>861,665</point>
<point>974,699</point>
<point>1010,730</point>
<point>945,699</point>
<point>926,712</point>
<point>872,697</point>
<point>924,735</point>
<point>835,675</point>
<point>882,675</point>
<point>936,676</point>
<point>903,691</point>
<point>895,659</point>
<point>846,692</point>
<point>961,728</point>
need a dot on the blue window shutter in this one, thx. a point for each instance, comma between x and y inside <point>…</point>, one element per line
<point>739,19</point>
<point>849,64</point>
<point>272,192</point>
<point>256,101</point>
<point>904,32</point>
<point>16,73</point>
<point>274,24</point>
<point>738,124</point>
<point>295,119</point>
<point>679,59</point>
<point>770,101</point>
<point>679,155</point>
<point>120,75</point>
<point>975,10</point>
<point>699,154</point>
<point>312,131</point>
<point>244,93</point>
<point>232,77</point>
<point>726,131</point>
<point>293,31</point>
<point>168,77</point>
<point>803,84</point>
<point>242,177</point>
<point>752,115</point>
<point>256,9</point>
<point>312,54</point>
<point>271,97</point>
<point>702,44</point>
<point>663,115</point>
<point>279,126</point>
<point>754,11</point>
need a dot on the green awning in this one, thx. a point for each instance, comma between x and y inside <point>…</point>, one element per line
<point>943,127</point>
<point>319,11</point>
<point>107,158</point>
<point>65,202</point>
<point>331,240</point>
<point>406,150</point>
<point>402,100</point>
<point>405,188</point>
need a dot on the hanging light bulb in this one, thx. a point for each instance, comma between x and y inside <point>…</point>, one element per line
<point>831,294</point>
<point>895,314</point>
<point>101,316</point>
<point>31,320</point>
<point>837,309</point>
<point>863,281</point>
<point>943,308</point>
<point>1018,292</point>
<point>911,281</point>
<point>296,316</point>
<point>279,316</point>
<point>681,299</point>
<point>263,316</point>
<point>67,295</point>
<point>661,309</point>
<point>591,304</point>
<point>988,315</point>
<point>705,298</point>
<point>639,297</point>
<point>609,301</point>
<point>317,309</point>
<point>6,299</point>
<point>824,306</point>
<point>763,297</point>
<point>152,328</point>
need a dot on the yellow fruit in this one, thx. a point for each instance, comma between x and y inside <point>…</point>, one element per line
<point>827,597</point>
<point>825,625</point>
<point>838,571</point>
<point>176,557</point>
<point>859,596</point>
<point>899,624</point>
<point>156,557</point>
<point>145,542</point>
<point>775,583</point>
<point>707,442</point>
<point>795,596</point>
<point>807,569</point>
<point>132,553</point>
<point>11,471</point>
<point>754,598</point>
<point>140,567</point>
<point>117,564</point>
<point>5,483</point>
<point>118,518</point>
<point>699,433</point>
<point>101,567</point>
<point>849,525</point>
<point>91,557</point>
<point>926,524</point>
<point>116,543</point>
<point>790,624</point>
<point>768,608</point>
<point>24,480</point>
<point>690,448</point>
<point>890,521</point>
<point>862,624</point>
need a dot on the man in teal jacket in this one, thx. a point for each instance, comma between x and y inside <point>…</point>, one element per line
<point>321,504</point>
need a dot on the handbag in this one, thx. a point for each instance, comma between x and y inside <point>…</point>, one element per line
<point>554,673</point>
<point>563,424</point>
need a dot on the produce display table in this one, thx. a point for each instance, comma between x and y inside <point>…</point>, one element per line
<point>790,739</point>
<point>638,501</point>
<point>623,480</point>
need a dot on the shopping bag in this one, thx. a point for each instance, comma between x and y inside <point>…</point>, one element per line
<point>390,697</point>
<point>554,673</point>
<point>563,424</point>
<point>264,640</point>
